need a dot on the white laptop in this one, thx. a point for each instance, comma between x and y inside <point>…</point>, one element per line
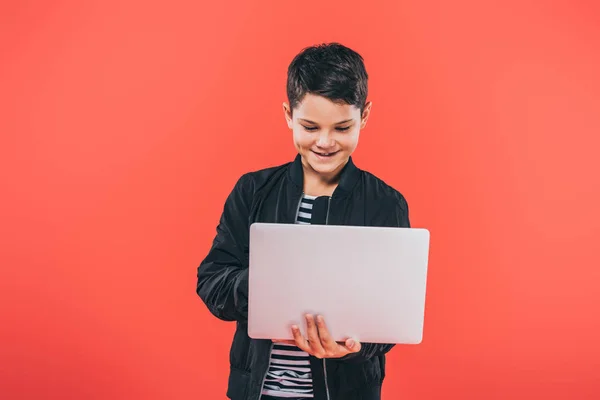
<point>367,282</point>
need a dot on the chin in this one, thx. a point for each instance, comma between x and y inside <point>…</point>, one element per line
<point>325,167</point>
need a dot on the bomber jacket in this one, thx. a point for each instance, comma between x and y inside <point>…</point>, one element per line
<point>273,195</point>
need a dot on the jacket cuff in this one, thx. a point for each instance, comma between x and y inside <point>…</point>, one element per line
<point>367,351</point>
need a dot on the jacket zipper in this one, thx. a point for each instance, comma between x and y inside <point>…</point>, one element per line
<point>298,208</point>
<point>324,360</point>
<point>326,384</point>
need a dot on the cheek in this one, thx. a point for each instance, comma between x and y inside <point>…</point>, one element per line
<point>301,139</point>
<point>349,142</point>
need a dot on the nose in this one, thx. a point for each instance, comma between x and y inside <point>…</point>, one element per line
<point>324,140</point>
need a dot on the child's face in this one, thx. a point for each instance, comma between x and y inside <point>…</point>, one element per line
<point>325,133</point>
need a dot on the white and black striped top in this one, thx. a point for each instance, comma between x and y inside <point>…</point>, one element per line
<point>289,375</point>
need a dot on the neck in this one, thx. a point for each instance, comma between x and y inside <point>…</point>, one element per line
<point>318,184</point>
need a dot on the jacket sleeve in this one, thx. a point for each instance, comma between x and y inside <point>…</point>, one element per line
<point>223,275</point>
<point>399,219</point>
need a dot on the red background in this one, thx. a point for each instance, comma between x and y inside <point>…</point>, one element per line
<point>124,125</point>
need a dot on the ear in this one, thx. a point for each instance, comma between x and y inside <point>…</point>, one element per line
<point>287,112</point>
<point>365,115</point>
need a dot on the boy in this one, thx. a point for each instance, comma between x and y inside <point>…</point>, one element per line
<point>327,107</point>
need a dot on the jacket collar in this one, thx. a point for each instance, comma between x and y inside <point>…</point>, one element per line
<point>349,176</point>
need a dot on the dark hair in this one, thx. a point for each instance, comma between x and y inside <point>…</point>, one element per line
<point>330,70</point>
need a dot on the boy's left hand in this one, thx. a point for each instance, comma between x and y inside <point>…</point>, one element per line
<point>319,342</point>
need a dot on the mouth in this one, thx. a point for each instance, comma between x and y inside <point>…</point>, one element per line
<point>321,154</point>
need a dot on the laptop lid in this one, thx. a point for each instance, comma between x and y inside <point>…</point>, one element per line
<point>369,283</point>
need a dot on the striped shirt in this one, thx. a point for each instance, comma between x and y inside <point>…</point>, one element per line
<point>289,375</point>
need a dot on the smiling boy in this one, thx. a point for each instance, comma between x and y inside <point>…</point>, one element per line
<point>326,110</point>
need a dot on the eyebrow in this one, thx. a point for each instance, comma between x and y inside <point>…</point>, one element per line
<point>314,123</point>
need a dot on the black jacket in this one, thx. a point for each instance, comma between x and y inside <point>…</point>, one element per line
<point>273,195</point>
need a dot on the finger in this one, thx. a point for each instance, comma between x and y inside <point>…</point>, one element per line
<point>352,345</point>
<point>330,346</point>
<point>313,337</point>
<point>299,340</point>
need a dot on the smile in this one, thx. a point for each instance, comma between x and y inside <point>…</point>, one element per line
<point>321,154</point>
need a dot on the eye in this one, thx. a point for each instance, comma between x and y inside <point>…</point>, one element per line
<point>343,128</point>
<point>310,128</point>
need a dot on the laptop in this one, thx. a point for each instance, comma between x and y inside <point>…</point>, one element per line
<point>368,283</point>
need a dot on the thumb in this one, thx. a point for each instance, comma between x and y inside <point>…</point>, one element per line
<point>353,345</point>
